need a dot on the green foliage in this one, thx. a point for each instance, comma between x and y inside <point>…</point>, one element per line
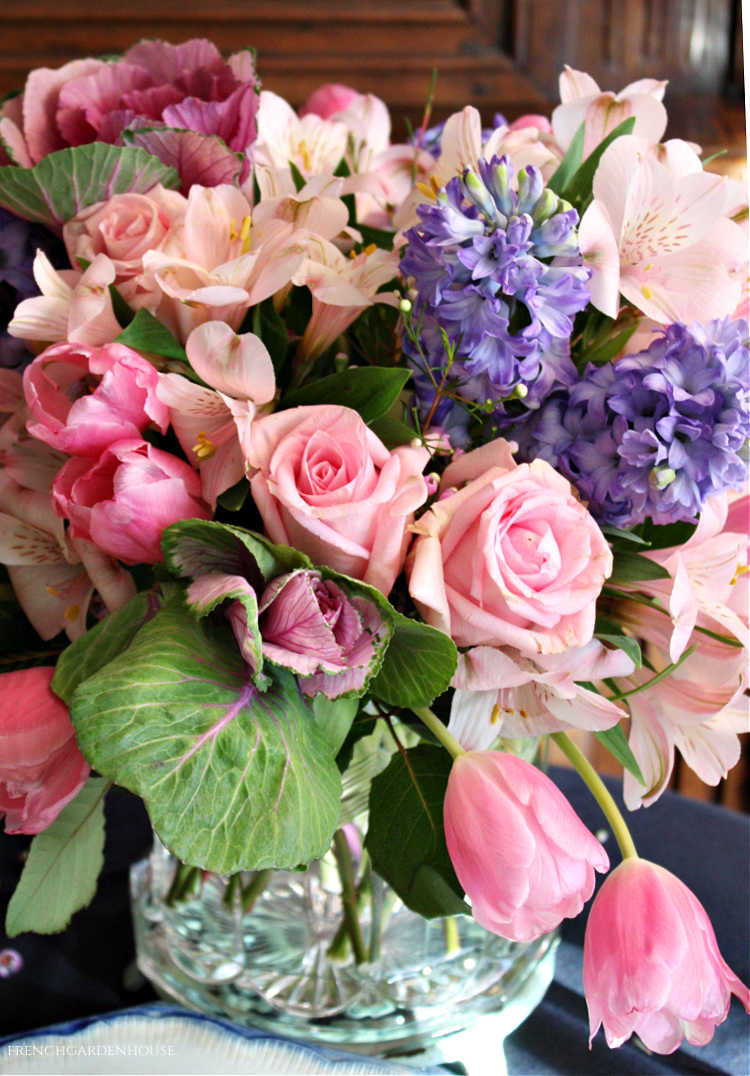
<point>101,644</point>
<point>419,664</point>
<point>60,874</point>
<point>369,390</point>
<point>68,181</point>
<point>406,839</point>
<point>147,333</point>
<point>233,779</point>
<point>617,745</point>
<point>635,568</point>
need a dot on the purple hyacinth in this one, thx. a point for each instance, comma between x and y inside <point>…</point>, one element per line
<point>497,269</point>
<point>654,434</point>
<point>19,241</point>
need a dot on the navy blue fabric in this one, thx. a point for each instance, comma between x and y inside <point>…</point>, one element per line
<point>88,969</point>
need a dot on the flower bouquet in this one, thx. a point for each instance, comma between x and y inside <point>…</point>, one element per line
<point>312,440</point>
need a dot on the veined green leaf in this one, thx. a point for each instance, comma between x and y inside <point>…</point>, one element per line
<point>60,875</point>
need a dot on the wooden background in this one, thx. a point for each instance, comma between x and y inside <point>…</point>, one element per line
<point>500,55</point>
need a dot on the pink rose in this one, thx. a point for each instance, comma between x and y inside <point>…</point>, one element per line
<point>325,484</point>
<point>124,500</point>
<point>329,638</point>
<point>83,398</point>
<point>508,556</point>
<point>41,767</point>
<point>328,99</point>
<point>521,853</point>
<point>651,964</point>
<point>124,228</point>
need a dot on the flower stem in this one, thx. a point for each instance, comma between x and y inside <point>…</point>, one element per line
<point>349,895</point>
<point>600,793</point>
<point>451,935</point>
<point>439,731</point>
<point>183,883</point>
<point>254,888</point>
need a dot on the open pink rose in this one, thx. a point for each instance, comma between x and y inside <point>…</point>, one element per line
<point>325,484</point>
<point>651,964</point>
<point>83,398</point>
<point>329,638</point>
<point>41,767</point>
<point>124,228</point>
<point>521,853</point>
<point>508,556</point>
<point>123,501</point>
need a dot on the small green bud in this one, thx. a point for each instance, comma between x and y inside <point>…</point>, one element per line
<point>520,392</point>
<point>405,306</point>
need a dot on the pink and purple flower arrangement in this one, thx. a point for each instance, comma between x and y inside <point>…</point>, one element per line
<point>304,430</point>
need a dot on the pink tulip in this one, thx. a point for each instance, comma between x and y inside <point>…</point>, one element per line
<point>124,500</point>
<point>41,767</point>
<point>522,855</point>
<point>84,398</point>
<point>651,964</point>
<point>327,99</point>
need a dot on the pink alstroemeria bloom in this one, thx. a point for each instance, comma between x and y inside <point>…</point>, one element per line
<point>317,207</point>
<point>341,289</point>
<point>658,233</point>
<point>522,855</point>
<point>123,501</point>
<point>73,306</point>
<point>313,144</point>
<point>505,693</point>
<point>651,963</point>
<point>583,102</point>
<point>216,264</point>
<point>699,708</point>
<point>41,766</point>
<point>213,424</point>
<point>83,398</point>
<point>331,639</point>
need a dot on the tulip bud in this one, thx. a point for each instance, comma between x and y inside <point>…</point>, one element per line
<point>522,855</point>
<point>651,963</point>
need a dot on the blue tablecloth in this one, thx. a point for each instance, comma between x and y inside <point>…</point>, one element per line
<point>83,971</point>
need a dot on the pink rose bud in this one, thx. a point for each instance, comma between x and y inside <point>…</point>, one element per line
<point>521,853</point>
<point>41,767</point>
<point>310,625</point>
<point>651,963</point>
<point>325,484</point>
<point>328,99</point>
<point>124,500</point>
<point>83,398</point>
<point>510,558</point>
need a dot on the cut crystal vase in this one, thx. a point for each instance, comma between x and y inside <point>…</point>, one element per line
<point>285,964</point>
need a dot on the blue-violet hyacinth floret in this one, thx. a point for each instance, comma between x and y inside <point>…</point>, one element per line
<point>496,267</point>
<point>653,434</point>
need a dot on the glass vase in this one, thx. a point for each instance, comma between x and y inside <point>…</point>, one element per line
<point>286,964</point>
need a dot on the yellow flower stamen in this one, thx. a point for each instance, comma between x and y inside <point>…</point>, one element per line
<point>53,592</point>
<point>204,448</point>
<point>495,715</point>
<point>646,292</point>
<point>247,223</point>
<point>742,569</point>
<point>370,249</point>
<point>305,155</point>
<point>72,612</point>
<point>233,233</point>
<point>428,192</point>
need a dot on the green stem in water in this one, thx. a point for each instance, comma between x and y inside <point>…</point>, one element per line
<point>599,791</point>
<point>254,888</point>
<point>349,895</point>
<point>452,938</point>
<point>439,731</point>
<point>184,878</point>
